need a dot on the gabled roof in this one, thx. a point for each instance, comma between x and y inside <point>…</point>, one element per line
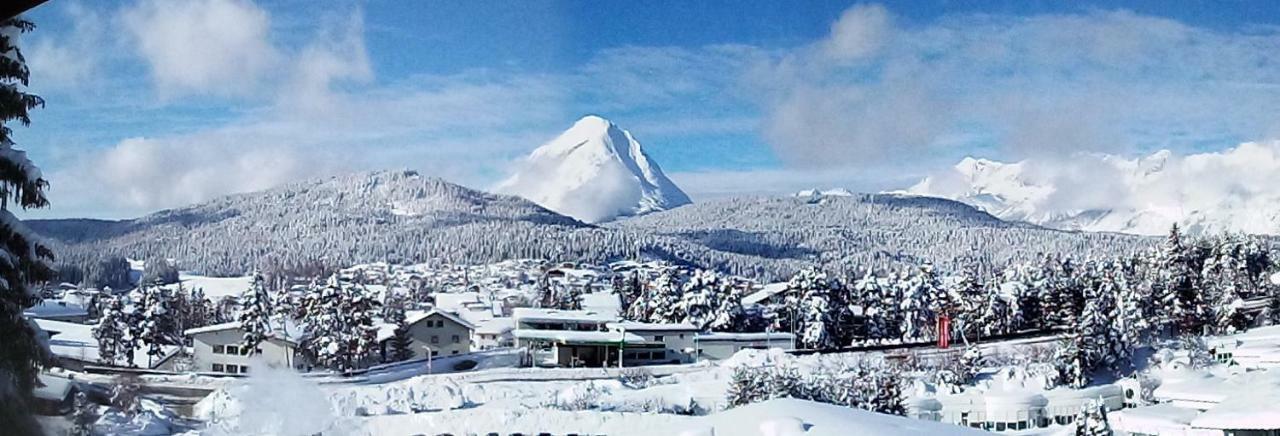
<point>450,315</point>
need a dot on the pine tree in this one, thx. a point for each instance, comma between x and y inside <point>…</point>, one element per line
<point>698,301</point>
<point>339,320</point>
<point>663,300</point>
<point>729,315</point>
<point>393,312</point>
<point>747,385</point>
<point>255,312</point>
<point>156,323</point>
<point>27,261</point>
<point>1071,362</point>
<point>1179,287</point>
<point>913,291</point>
<point>109,331</point>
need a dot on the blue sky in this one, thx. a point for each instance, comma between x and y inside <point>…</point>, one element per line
<point>155,104</point>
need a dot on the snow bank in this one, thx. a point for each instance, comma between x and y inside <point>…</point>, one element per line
<point>791,417</point>
<point>272,401</point>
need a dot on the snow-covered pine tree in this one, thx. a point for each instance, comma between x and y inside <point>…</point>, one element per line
<point>1132,315</point>
<point>747,385</point>
<point>1179,289</point>
<point>996,316</point>
<point>913,305</point>
<point>971,362</point>
<point>569,297</point>
<point>812,321</point>
<point>970,302</point>
<point>729,315</point>
<point>156,323</point>
<point>939,301</point>
<point>28,261</point>
<point>109,332</point>
<point>1071,362</point>
<point>889,397</point>
<point>255,312</point>
<point>870,294</point>
<point>698,301</point>
<point>664,299</point>
<point>393,312</point>
<point>339,320</point>
<point>1092,420</point>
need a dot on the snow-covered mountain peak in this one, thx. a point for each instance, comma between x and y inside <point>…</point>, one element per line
<point>595,171</point>
<point>1231,190</point>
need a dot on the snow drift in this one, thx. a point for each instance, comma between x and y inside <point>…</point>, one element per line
<point>1231,190</point>
<point>595,172</point>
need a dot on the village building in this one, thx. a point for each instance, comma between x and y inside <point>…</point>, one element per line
<point>574,338</point>
<point>219,348</point>
<point>719,346</point>
<point>664,343</point>
<point>435,333</point>
<point>58,310</point>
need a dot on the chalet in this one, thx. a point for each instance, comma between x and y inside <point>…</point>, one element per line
<point>438,332</point>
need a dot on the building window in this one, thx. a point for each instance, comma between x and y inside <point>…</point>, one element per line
<point>244,351</point>
<point>456,339</point>
<point>218,349</point>
<point>244,369</point>
<point>657,338</point>
<point>453,352</point>
<point>217,367</point>
<point>232,369</point>
<point>435,339</point>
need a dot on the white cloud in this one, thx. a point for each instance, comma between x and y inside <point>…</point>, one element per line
<point>1234,189</point>
<point>214,47</point>
<point>860,32</point>
<point>71,60</point>
<point>877,90</point>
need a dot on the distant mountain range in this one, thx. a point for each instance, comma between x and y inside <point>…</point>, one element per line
<point>1233,190</point>
<point>402,216</point>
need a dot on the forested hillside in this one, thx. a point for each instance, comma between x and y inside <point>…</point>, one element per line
<point>400,216</point>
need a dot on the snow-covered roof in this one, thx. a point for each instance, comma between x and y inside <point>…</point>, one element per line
<point>577,337</point>
<point>450,315</point>
<point>55,309</point>
<point>1154,418</point>
<point>212,328</point>
<point>745,337</point>
<point>764,293</point>
<point>555,315</point>
<point>496,326</point>
<point>653,327</point>
<point>788,416</point>
<point>214,288</point>
<point>75,341</point>
<point>54,388</point>
<point>1251,404</point>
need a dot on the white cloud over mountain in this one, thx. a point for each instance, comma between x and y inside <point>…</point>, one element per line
<point>1237,189</point>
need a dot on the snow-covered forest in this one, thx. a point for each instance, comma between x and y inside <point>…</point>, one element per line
<point>401,217</point>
